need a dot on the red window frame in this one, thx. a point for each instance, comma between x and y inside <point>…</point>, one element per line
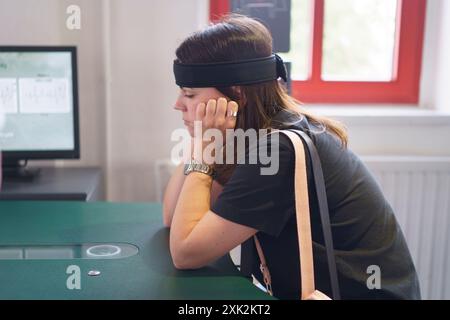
<point>405,85</point>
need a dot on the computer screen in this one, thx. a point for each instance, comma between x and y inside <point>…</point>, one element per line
<point>39,102</point>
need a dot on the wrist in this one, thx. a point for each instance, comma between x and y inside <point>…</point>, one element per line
<point>198,166</point>
<point>197,152</point>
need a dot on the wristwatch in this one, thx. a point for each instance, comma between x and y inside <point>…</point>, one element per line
<point>196,166</point>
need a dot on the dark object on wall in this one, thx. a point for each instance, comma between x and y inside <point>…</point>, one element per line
<point>288,84</point>
<point>275,14</point>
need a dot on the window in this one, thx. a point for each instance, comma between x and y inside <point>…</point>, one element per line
<point>353,51</point>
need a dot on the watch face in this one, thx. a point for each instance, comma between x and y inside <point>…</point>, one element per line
<point>187,168</point>
<point>200,167</point>
<point>197,167</point>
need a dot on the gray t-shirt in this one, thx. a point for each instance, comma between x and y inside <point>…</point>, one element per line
<point>365,230</point>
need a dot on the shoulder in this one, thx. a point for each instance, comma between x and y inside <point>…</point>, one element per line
<point>271,158</point>
<point>273,141</point>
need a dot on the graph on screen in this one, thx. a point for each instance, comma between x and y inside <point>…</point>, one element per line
<point>48,95</point>
<point>8,95</point>
<point>36,95</point>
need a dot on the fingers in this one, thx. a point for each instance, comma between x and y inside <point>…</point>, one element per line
<point>210,111</point>
<point>200,112</point>
<point>221,108</point>
<point>232,109</point>
<point>219,113</point>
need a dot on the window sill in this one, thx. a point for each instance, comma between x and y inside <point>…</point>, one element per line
<point>382,115</point>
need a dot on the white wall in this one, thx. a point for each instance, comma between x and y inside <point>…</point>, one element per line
<point>144,36</point>
<point>43,22</point>
<point>442,80</point>
<point>127,120</point>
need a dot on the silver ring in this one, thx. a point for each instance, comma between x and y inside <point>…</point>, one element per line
<point>233,113</point>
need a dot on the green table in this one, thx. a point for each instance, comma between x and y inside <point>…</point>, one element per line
<point>149,274</point>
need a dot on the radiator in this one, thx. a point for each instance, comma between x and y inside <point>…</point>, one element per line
<point>418,189</point>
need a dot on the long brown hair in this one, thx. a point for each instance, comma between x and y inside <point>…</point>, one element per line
<point>237,37</point>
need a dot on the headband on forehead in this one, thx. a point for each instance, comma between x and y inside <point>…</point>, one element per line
<point>226,74</point>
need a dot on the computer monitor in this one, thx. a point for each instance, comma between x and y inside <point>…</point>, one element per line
<point>39,99</point>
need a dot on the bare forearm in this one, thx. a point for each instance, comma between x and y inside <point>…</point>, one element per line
<point>171,194</point>
<point>173,190</point>
<point>193,204</point>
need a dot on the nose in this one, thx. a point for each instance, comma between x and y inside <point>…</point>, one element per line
<point>179,105</point>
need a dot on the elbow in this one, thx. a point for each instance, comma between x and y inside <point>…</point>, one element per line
<point>184,260</point>
<point>181,264</point>
<point>185,264</point>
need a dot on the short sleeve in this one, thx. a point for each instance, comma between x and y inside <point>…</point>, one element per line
<point>259,195</point>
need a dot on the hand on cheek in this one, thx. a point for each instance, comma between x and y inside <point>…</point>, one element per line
<point>217,114</point>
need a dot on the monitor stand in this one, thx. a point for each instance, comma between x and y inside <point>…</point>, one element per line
<point>17,170</point>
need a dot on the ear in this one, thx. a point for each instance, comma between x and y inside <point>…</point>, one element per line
<point>236,89</point>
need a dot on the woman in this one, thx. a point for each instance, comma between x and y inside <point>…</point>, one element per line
<point>210,216</point>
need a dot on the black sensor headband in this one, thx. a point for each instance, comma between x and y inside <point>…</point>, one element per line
<point>226,74</point>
